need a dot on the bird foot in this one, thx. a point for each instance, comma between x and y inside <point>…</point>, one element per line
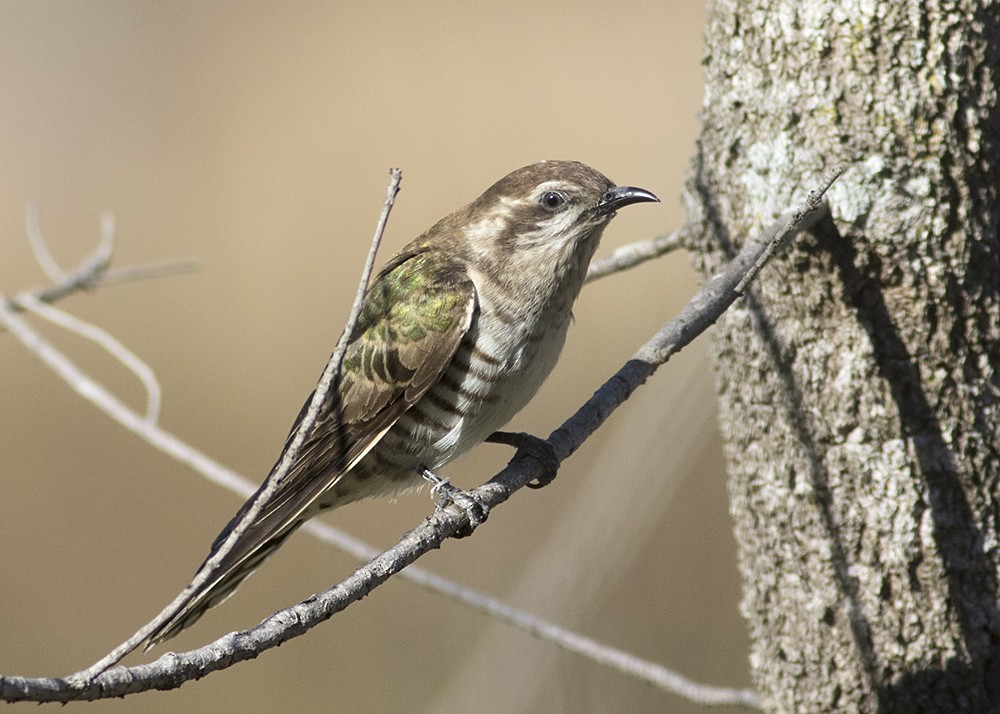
<point>531,445</point>
<point>475,510</point>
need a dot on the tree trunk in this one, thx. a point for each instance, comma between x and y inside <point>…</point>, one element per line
<point>860,378</point>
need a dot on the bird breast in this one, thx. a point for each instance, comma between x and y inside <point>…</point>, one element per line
<point>497,369</point>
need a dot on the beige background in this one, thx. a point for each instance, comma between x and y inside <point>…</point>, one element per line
<point>255,138</point>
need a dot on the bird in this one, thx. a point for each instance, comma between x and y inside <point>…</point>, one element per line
<point>455,335</point>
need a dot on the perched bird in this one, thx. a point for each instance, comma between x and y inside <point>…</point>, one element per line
<point>456,334</point>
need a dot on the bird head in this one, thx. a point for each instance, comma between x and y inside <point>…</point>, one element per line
<point>549,213</point>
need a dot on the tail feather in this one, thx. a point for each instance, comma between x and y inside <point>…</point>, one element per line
<point>216,591</point>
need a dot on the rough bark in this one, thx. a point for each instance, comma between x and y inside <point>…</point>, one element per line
<point>860,379</point>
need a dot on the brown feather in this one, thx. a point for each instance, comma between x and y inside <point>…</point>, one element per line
<point>383,375</point>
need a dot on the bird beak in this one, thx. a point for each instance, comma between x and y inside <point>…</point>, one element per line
<point>620,196</point>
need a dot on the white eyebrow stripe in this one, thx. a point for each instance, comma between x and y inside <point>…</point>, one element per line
<point>555,185</point>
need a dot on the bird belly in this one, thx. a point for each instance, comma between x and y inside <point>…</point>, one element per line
<point>496,370</point>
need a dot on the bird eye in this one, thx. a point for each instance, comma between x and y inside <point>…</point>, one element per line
<point>552,200</point>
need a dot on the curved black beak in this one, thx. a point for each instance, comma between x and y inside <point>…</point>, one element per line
<point>620,196</point>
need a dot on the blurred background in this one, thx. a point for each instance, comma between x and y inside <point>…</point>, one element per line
<point>254,138</point>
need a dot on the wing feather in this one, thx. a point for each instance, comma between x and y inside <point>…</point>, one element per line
<point>412,320</point>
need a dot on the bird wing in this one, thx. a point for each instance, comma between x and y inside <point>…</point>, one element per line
<point>412,320</point>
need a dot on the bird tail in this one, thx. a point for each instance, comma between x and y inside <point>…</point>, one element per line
<point>232,570</point>
<point>324,458</point>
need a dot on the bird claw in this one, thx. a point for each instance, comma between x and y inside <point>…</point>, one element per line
<point>475,510</point>
<point>531,445</point>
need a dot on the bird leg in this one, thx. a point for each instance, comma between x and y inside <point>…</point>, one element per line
<point>476,511</point>
<point>531,445</point>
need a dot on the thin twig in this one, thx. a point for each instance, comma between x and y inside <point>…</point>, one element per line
<point>101,256</point>
<point>128,273</point>
<point>93,273</point>
<point>285,463</point>
<point>105,340</point>
<point>633,254</point>
<point>811,204</point>
<point>94,269</point>
<point>43,256</point>
<point>659,676</point>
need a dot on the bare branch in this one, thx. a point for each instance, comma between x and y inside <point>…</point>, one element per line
<point>101,256</point>
<point>320,395</point>
<point>110,344</point>
<point>129,273</point>
<point>659,676</point>
<point>812,203</point>
<point>633,254</point>
<point>168,443</point>
<point>94,269</point>
<point>173,669</point>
